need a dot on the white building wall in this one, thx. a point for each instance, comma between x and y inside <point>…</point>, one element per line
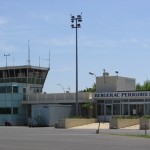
<point>125,84</point>
<point>51,113</point>
<point>114,83</point>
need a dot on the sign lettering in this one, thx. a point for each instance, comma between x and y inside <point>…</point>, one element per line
<point>122,94</point>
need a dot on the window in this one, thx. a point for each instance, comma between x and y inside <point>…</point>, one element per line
<point>108,101</point>
<point>15,110</point>
<point>116,101</point>
<point>147,100</point>
<point>24,97</point>
<point>100,102</point>
<point>43,74</point>
<point>100,109</point>
<point>15,89</point>
<point>108,109</point>
<point>116,109</point>
<point>125,109</point>
<point>3,89</point>
<point>2,110</point>
<point>5,110</point>
<point>24,90</point>
<point>125,100</point>
<point>6,89</point>
<point>147,109</point>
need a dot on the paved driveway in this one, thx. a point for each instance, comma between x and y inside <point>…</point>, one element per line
<point>24,138</point>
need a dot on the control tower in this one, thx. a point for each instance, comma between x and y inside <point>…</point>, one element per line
<point>15,83</point>
<point>34,77</point>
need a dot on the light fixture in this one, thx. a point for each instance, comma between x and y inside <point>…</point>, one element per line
<point>76,25</point>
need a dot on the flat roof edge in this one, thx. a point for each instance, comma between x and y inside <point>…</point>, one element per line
<point>24,66</point>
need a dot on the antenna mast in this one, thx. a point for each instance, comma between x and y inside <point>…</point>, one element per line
<point>28,53</point>
<point>13,61</point>
<point>39,61</point>
<point>49,59</point>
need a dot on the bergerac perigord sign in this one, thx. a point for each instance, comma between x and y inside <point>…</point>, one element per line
<point>141,94</point>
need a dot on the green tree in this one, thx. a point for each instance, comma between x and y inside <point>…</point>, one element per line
<point>92,89</point>
<point>144,87</point>
<point>139,87</point>
<point>88,110</point>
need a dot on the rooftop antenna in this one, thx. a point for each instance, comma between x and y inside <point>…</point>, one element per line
<point>28,53</point>
<point>48,60</point>
<point>104,73</point>
<point>117,73</point>
<point>39,61</point>
<point>6,55</point>
<point>13,61</point>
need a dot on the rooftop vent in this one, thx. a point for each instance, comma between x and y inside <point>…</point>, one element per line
<point>105,74</point>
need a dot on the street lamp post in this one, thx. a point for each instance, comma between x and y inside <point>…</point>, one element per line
<point>117,73</point>
<point>62,87</point>
<point>76,25</point>
<point>6,55</point>
<point>66,90</point>
<point>91,73</point>
<point>6,58</point>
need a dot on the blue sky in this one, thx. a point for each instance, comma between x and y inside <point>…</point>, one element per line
<point>115,35</point>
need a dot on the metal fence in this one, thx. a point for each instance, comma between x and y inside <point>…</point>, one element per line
<point>58,97</point>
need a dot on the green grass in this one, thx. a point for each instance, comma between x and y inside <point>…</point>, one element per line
<point>130,135</point>
<point>140,136</point>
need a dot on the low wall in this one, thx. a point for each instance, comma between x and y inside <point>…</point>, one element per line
<point>122,123</point>
<point>69,123</point>
<point>144,124</point>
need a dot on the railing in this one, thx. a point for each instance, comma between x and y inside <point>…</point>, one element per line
<point>58,97</point>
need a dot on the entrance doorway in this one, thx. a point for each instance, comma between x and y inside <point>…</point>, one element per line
<point>137,109</point>
<point>108,110</point>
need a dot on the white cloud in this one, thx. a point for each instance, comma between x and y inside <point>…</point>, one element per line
<point>130,41</point>
<point>145,45</point>
<point>46,17</point>
<point>39,16</point>
<point>61,41</point>
<point>114,43</point>
<point>7,47</point>
<point>2,21</point>
<point>58,42</point>
<point>62,69</point>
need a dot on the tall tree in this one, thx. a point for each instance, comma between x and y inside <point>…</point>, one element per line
<point>92,89</point>
<point>144,87</point>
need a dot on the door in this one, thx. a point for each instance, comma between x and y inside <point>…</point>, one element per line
<point>140,110</point>
<point>137,109</point>
<point>108,110</point>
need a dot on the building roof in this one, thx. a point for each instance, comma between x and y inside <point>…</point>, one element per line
<point>23,67</point>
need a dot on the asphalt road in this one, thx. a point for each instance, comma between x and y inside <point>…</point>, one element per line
<point>24,138</point>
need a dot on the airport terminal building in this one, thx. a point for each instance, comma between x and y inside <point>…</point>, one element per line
<point>22,101</point>
<point>114,96</point>
<point>117,95</point>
